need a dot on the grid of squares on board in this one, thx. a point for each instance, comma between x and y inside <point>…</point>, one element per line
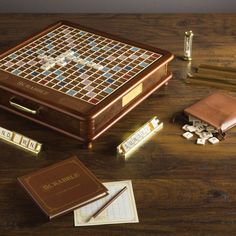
<point>119,63</point>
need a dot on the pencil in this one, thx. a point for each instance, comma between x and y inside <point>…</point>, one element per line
<point>107,203</point>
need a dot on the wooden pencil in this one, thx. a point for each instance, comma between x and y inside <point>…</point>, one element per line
<point>99,211</point>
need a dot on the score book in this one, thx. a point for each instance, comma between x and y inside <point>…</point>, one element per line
<point>63,187</point>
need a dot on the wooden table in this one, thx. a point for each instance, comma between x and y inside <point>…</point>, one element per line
<point>180,188</point>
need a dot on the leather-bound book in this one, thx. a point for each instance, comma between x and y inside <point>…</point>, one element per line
<point>63,187</point>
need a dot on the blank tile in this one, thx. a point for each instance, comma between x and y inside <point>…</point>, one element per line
<point>17,138</point>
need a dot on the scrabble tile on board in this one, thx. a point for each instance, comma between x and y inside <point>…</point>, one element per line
<point>89,64</point>
<point>61,63</point>
<point>99,67</point>
<point>71,58</point>
<point>41,56</point>
<point>60,58</point>
<point>187,135</point>
<point>69,53</point>
<point>46,66</point>
<point>213,140</point>
<point>49,58</point>
<point>83,62</point>
<point>76,59</point>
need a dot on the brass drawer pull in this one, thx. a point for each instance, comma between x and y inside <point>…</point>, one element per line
<point>22,108</point>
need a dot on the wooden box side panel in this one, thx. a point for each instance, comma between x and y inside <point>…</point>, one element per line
<point>128,100</point>
<point>45,116</point>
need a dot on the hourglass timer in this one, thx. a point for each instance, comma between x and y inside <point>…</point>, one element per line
<point>188,41</point>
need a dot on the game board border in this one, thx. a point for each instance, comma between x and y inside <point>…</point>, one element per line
<point>68,104</point>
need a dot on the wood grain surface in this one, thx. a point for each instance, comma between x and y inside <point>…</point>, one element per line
<point>180,188</point>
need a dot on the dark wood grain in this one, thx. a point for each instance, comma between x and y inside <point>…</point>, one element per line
<point>180,188</point>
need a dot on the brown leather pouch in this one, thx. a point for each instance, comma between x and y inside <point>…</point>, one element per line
<point>218,110</point>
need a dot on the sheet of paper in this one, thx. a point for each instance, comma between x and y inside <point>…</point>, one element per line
<point>122,210</point>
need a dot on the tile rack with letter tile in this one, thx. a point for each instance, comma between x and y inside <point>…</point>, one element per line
<point>20,141</point>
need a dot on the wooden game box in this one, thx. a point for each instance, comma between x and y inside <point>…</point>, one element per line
<point>103,78</point>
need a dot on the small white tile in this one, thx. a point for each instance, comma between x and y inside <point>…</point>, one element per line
<point>89,64</point>
<point>204,124</point>
<point>1,133</point>
<point>70,57</point>
<point>32,144</point>
<point>6,134</point>
<point>83,62</point>
<point>93,64</point>
<point>214,140</point>
<point>48,58</point>
<point>196,123</point>
<point>46,66</point>
<point>25,141</point>
<point>211,129</point>
<point>199,134</point>
<point>192,118</point>
<point>200,128</point>
<point>207,134</point>
<point>52,62</point>
<point>41,56</point>
<point>201,141</point>
<point>61,63</point>
<point>185,127</point>
<point>69,53</point>
<point>17,138</point>
<point>96,67</point>
<point>187,135</point>
<point>100,67</point>
<point>60,58</point>
<point>76,59</point>
<point>191,128</point>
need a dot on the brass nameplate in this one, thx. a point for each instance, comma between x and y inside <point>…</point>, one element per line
<point>132,94</point>
<point>20,141</point>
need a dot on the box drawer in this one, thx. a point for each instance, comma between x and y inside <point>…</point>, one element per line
<point>43,115</point>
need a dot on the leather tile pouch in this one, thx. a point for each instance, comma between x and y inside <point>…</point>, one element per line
<point>218,110</point>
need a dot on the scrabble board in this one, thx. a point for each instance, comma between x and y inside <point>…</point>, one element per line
<point>79,75</point>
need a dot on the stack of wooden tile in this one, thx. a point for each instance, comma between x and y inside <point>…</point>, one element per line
<point>216,76</point>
